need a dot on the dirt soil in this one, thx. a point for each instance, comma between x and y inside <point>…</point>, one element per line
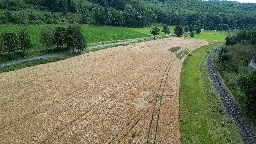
<point>127,94</point>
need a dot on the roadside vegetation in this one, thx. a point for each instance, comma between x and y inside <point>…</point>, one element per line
<point>35,62</point>
<point>15,45</point>
<point>41,40</point>
<point>93,34</point>
<point>234,66</point>
<point>203,118</point>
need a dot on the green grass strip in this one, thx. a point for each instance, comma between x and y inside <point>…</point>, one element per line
<point>211,35</point>
<point>34,63</point>
<point>203,118</point>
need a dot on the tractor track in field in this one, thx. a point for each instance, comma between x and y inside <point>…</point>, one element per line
<point>134,121</point>
<point>158,99</point>
<point>246,129</point>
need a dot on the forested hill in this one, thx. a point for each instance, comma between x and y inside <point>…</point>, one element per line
<point>220,15</point>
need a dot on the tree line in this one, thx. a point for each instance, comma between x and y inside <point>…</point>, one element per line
<point>130,13</point>
<point>234,65</point>
<point>244,36</point>
<point>60,38</point>
<point>11,42</point>
<point>56,39</point>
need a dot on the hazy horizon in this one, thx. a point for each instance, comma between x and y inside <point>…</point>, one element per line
<point>246,1</point>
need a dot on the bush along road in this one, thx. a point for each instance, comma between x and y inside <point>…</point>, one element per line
<point>246,129</point>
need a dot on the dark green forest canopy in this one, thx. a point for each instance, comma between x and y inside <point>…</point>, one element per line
<point>219,15</point>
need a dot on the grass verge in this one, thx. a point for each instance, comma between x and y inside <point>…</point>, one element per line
<point>34,63</point>
<point>203,118</point>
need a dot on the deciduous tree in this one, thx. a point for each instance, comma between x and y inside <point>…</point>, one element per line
<point>59,36</point>
<point>155,31</point>
<point>74,38</point>
<point>166,30</point>
<point>25,40</point>
<point>192,34</point>
<point>247,84</point>
<point>178,30</point>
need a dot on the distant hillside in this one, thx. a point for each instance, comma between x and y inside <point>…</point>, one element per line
<point>220,15</point>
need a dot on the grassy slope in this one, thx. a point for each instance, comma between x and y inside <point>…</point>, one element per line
<point>202,115</point>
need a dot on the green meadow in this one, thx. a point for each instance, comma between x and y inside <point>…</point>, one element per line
<point>147,30</point>
<point>93,34</point>
<point>211,35</point>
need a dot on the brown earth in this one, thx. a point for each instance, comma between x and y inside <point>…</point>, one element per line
<point>127,94</point>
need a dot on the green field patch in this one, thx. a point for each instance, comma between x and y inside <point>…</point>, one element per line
<point>174,49</point>
<point>96,34</point>
<point>147,30</point>
<point>182,53</point>
<point>211,35</point>
<point>93,34</point>
<point>203,118</point>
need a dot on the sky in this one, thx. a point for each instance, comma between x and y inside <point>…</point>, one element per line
<point>251,1</point>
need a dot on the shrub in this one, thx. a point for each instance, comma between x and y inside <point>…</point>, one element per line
<point>178,30</point>
<point>59,34</point>
<point>10,43</point>
<point>155,31</point>
<point>47,38</point>
<point>247,84</point>
<point>166,30</point>
<point>74,38</point>
<point>71,37</point>
<point>230,40</point>
<point>192,34</point>
<point>25,40</point>
<point>227,62</point>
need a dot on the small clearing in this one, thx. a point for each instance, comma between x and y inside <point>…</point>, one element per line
<point>127,94</point>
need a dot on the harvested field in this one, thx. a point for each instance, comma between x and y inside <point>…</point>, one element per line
<point>127,94</point>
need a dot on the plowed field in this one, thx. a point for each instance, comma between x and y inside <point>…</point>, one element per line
<point>117,95</point>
